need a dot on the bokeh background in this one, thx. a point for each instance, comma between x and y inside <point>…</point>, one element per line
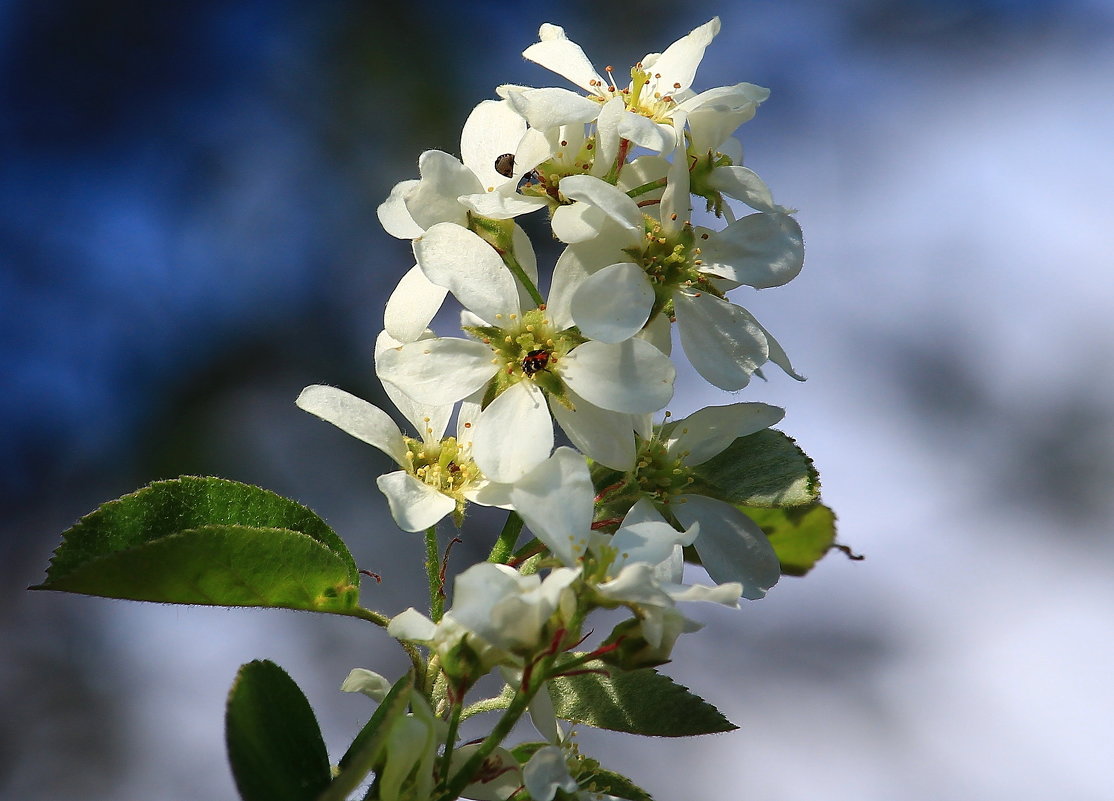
<point>188,237</point>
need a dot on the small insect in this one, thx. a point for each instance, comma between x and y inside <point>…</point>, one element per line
<point>504,165</point>
<point>535,361</point>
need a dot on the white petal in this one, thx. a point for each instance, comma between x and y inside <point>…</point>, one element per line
<point>415,505</point>
<point>726,594</point>
<point>368,682</point>
<point>546,773</point>
<point>715,114</point>
<point>659,333</point>
<point>574,265</point>
<point>456,258</point>
<point>444,179</point>
<point>632,376</point>
<point>491,130</point>
<point>577,223</point>
<point>556,500</point>
<point>393,214</point>
<point>429,420</point>
<point>677,65</point>
<point>740,98</point>
<point>707,432</point>
<point>514,434</point>
<point>722,341</point>
<point>607,136</point>
<point>613,201</point>
<point>731,546</point>
<point>412,305</point>
<point>613,304</point>
<point>488,493</point>
<point>437,371</point>
<point>635,583</point>
<point>607,437</point>
<point>550,107</point>
<point>649,541</point>
<point>676,200</point>
<point>745,185</point>
<point>355,416</point>
<point>412,625</point>
<point>566,58</point>
<point>502,204</point>
<point>761,250</point>
<point>646,133</point>
<point>643,170</point>
<point>779,357</point>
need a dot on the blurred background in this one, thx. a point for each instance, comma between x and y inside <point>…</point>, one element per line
<point>188,237</point>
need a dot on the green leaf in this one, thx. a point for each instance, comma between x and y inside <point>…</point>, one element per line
<point>362,754</point>
<point>274,743</point>
<point>762,469</point>
<point>800,535</point>
<point>608,782</point>
<point>206,541</point>
<point>635,701</point>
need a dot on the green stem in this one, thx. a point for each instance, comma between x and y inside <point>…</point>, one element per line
<point>450,738</point>
<point>649,187</point>
<point>504,546</point>
<point>433,571</point>
<point>462,777</point>
<point>520,274</point>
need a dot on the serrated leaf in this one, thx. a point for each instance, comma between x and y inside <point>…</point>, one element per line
<point>800,535</point>
<point>206,541</point>
<point>635,701</point>
<point>365,749</point>
<point>609,782</point>
<point>274,744</point>
<point>766,469</point>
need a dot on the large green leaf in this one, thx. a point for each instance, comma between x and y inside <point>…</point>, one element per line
<point>762,469</point>
<point>206,541</point>
<point>274,743</point>
<point>635,701</point>
<point>801,535</point>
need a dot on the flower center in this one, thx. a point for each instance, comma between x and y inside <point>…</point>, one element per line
<point>643,96</point>
<point>671,261</point>
<point>528,349</point>
<point>446,466</point>
<point>659,474</point>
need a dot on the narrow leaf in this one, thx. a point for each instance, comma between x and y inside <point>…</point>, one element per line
<point>151,545</point>
<point>274,743</point>
<point>801,535</point>
<point>635,701</point>
<point>366,748</point>
<point>762,469</point>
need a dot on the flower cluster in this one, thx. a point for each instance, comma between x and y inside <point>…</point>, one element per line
<point>616,164</point>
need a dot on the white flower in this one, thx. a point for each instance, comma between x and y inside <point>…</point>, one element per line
<point>498,613</point>
<point>437,474</point>
<point>731,546</point>
<point>659,89</point>
<point>627,268</point>
<point>449,187</point>
<point>639,566</point>
<point>527,365</point>
<point>547,771</point>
